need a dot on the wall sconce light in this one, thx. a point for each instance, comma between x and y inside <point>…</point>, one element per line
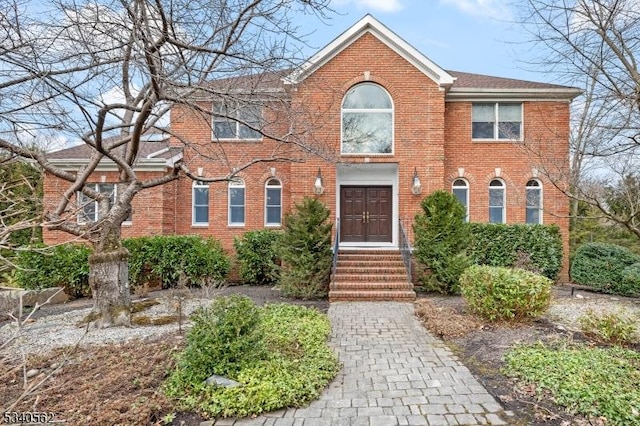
<point>416,185</point>
<point>200,171</point>
<point>318,189</point>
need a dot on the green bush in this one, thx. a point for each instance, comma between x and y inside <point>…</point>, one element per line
<point>585,380</point>
<point>305,249</point>
<point>537,248</point>
<point>602,267</point>
<point>499,293</point>
<point>194,260</point>
<point>256,252</point>
<point>288,364</point>
<point>65,265</point>
<point>608,327</point>
<point>441,239</point>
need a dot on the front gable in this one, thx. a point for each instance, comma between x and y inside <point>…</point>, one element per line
<point>370,25</point>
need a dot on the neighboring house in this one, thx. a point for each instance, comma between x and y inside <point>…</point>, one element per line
<point>391,126</point>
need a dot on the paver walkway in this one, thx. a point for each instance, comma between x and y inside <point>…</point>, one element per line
<point>394,373</point>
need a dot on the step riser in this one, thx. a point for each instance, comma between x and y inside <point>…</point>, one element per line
<point>370,286</point>
<point>371,271</point>
<point>370,296</point>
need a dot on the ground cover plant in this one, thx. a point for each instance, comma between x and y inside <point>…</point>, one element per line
<point>609,327</point>
<point>592,381</point>
<point>277,353</point>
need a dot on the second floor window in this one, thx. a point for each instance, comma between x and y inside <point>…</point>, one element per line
<point>496,121</point>
<point>237,121</point>
<point>367,120</point>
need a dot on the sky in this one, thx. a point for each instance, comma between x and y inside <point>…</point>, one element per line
<point>476,36</point>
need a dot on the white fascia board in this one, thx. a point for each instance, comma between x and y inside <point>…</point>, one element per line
<point>471,94</point>
<point>371,25</point>
<point>154,164</point>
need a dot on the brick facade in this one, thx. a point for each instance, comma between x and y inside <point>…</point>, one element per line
<point>431,135</point>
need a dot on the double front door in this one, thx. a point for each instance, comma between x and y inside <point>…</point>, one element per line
<point>365,213</point>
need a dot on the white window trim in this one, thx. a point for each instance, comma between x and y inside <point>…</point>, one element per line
<point>95,186</point>
<point>496,123</point>
<point>266,187</point>
<point>504,199</point>
<point>466,182</point>
<point>237,124</point>
<point>236,183</point>
<point>541,207</point>
<point>195,186</point>
<point>393,125</point>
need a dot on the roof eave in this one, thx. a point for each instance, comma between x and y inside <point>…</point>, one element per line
<point>144,164</point>
<point>472,94</point>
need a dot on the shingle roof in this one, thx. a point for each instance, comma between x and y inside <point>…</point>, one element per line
<point>480,81</point>
<point>147,148</point>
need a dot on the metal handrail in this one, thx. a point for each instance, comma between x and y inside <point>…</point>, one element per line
<point>405,249</point>
<point>336,248</point>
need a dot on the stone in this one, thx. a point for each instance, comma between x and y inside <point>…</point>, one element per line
<point>216,380</point>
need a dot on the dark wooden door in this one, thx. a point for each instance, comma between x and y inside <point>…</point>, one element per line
<point>365,213</point>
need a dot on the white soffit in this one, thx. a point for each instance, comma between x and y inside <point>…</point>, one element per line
<point>369,24</point>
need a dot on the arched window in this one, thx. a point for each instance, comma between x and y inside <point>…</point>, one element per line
<point>497,202</point>
<point>367,120</point>
<point>460,189</point>
<point>534,201</point>
<point>200,203</point>
<point>273,203</point>
<point>236,202</point>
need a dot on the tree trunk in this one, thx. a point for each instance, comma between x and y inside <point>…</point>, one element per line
<point>109,280</point>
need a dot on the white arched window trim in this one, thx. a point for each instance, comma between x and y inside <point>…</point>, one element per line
<point>497,201</point>
<point>200,203</point>
<point>460,189</point>
<point>534,204</point>
<point>273,202</point>
<point>236,201</point>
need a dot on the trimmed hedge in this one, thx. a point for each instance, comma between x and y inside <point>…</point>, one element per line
<point>257,255</point>
<point>608,268</point>
<point>171,258</point>
<point>65,265</point>
<point>499,293</point>
<point>537,248</point>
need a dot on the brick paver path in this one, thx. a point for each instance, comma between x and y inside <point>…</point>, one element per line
<point>394,373</point>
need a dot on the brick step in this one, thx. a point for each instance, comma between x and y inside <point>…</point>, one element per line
<point>369,252</point>
<point>340,277</point>
<point>370,265</point>
<point>368,270</point>
<point>370,285</point>
<point>371,296</point>
<point>370,257</point>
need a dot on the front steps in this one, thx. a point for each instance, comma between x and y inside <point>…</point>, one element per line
<point>370,275</point>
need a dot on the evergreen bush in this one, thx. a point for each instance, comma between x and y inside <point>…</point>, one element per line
<point>172,258</point>
<point>499,293</point>
<point>537,248</point>
<point>256,252</point>
<point>305,249</point>
<point>602,266</point>
<point>64,265</point>
<point>441,239</point>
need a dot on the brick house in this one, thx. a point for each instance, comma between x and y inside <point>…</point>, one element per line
<point>393,127</point>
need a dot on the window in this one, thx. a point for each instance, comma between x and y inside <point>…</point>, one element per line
<point>367,120</point>
<point>461,191</point>
<point>273,203</point>
<point>200,202</point>
<point>496,121</point>
<point>236,202</point>
<point>237,121</point>
<point>90,211</point>
<point>496,201</point>
<point>534,201</point>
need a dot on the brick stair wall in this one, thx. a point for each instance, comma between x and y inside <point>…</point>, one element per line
<point>370,275</point>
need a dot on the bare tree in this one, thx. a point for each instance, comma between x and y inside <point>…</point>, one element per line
<point>595,45</point>
<point>107,72</point>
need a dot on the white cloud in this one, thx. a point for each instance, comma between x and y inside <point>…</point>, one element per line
<point>373,5</point>
<point>495,9</point>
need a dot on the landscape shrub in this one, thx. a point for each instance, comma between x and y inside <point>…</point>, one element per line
<point>287,365</point>
<point>602,266</point>
<point>609,327</point>
<point>64,265</point>
<point>256,252</point>
<point>497,293</point>
<point>591,381</point>
<point>305,249</point>
<point>175,259</point>
<point>441,239</point>
<point>537,248</point>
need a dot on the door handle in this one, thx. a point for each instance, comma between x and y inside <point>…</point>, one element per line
<point>364,217</point>
<point>367,217</point>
